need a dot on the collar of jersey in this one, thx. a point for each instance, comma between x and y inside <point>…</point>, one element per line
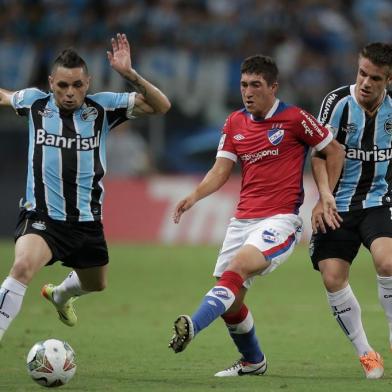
<point>352,93</point>
<point>270,113</point>
<point>53,106</point>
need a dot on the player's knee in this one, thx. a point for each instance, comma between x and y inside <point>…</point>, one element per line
<point>240,268</point>
<point>384,268</point>
<point>333,281</point>
<point>22,270</point>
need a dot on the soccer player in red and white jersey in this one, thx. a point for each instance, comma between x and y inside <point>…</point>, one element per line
<point>270,139</point>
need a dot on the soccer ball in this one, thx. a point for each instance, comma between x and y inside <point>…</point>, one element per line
<point>51,363</point>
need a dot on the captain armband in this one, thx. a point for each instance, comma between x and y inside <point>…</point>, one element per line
<point>131,105</point>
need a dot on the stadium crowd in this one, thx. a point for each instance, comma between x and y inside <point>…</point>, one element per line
<point>192,49</point>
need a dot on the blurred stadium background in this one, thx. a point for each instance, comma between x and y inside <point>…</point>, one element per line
<point>192,50</point>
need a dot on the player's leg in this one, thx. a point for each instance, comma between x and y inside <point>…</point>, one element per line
<point>220,298</point>
<point>332,254</point>
<point>275,239</point>
<point>344,304</point>
<point>183,326</point>
<point>247,262</point>
<point>31,254</point>
<point>347,312</point>
<point>252,258</point>
<point>381,249</point>
<point>376,231</point>
<point>240,325</point>
<point>90,264</point>
<point>80,282</point>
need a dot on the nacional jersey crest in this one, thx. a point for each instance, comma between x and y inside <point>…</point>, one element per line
<point>275,134</point>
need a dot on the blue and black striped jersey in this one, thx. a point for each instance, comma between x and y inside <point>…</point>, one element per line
<point>366,179</point>
<point>67,152</point>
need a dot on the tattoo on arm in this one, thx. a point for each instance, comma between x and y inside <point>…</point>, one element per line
<point>138,86</point>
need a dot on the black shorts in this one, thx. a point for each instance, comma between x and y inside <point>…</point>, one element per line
<point>358,227</point>
<point>76,244</point>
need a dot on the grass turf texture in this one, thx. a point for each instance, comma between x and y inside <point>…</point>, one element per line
<point>122,333</point>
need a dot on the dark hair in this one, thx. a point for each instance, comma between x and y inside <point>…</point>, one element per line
<point>261,65</point>
<point>69,58</point>
<point>378,53</point>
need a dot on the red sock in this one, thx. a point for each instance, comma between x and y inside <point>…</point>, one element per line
<point>231,280</point>
<point>236,318</point>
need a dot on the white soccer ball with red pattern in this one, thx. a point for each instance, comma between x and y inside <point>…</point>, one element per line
<point>51,363</point>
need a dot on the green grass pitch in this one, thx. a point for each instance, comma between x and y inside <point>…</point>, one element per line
<point>122,334</point>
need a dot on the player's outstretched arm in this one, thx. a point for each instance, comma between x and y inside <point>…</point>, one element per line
<point>149,99</point>
<point>214,180</point>
<point>5,97</point>
<point>326,167</point>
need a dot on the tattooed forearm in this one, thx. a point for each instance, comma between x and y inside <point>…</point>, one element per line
<point>138,86</point>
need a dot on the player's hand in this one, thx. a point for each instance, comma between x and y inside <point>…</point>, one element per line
<point>317,218</point>
<point>325,212</point>
<point>330,212</point>
<point>183,206</point>
<point>120,56</point>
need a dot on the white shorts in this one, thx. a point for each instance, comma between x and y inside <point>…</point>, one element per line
<point>275,237</point>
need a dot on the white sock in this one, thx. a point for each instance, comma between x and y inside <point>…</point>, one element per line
<point>70,287</point>
<point>384,284</point>
<point>347,313</point>
<point>11,298</point>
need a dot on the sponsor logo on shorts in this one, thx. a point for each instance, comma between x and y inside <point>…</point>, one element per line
<point>39,225</point>
<point>311,247</point>
<point>221,292</point>
<point>239,137</point>
<point>269,236</point>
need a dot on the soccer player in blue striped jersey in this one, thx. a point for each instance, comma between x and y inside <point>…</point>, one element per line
<point>60,217</point>
<point>361,117</point>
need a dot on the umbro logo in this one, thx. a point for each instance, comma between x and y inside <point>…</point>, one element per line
<point>239,137</point>
<point>46,113</point>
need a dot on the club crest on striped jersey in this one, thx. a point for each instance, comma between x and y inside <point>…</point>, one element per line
<point>388,125</point>
<point>89,114</point>
<point>275,134</point>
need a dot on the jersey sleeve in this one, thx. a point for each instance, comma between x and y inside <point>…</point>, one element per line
<point>312,132</point>
<point>118,106</point>
<point>328,106</point>
<point>225,147</point>
<point>22,100</point>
